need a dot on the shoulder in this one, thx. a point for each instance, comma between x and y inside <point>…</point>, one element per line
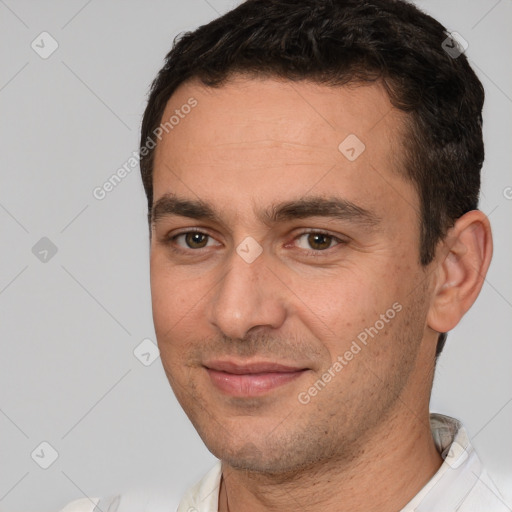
<point>461,483</point>
<point>203,496</point>
<point>83,505</point>
<point>109,504</point>
<point>484,497</point>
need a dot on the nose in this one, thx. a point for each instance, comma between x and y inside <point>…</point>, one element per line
<point>248,296</point>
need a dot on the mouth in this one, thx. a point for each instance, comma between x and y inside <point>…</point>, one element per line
<point>250,379</point>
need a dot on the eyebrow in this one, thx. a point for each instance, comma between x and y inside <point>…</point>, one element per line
<point>311,206</point>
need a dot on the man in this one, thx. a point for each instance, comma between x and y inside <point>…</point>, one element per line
<point>312,172</point>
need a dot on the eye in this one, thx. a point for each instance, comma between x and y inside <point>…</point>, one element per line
<point>193,240</point>
<point>317,240</point>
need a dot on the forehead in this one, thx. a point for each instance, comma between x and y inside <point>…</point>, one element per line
<point>265,138</point>
<point>269,107</point>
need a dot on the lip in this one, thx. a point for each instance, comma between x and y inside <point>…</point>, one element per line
<point>251,378</point>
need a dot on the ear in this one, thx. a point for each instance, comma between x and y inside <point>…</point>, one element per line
<point>463,259</point>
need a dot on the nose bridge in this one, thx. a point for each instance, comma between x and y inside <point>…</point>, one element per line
<point>247,295</point>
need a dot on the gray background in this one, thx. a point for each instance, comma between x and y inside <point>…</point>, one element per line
<point>69,325</point>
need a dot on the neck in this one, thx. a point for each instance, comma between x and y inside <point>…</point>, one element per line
<point>394,461</point>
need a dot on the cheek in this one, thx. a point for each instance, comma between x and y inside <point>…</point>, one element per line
<point>178,299</point>
<point>172,300</point>
<point>345,300</point>
<point>343,311</point>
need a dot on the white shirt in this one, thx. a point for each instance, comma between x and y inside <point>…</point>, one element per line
<point>460,485</point>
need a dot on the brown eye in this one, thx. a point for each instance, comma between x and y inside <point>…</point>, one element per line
<point>319,241</point>
<point>196,240</point>
<point>315,243</point>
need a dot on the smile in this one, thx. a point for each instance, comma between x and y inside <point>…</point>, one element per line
<point>248,380</point>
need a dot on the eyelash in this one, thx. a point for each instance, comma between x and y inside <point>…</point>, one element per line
<point>310,253</point>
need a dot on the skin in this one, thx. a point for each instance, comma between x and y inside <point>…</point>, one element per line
<point>363,441</point>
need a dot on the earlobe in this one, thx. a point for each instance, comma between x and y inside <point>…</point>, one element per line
<point>464,258</point>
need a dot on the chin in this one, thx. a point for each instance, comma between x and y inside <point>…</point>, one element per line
<point>258,463</point>
<point>243,455</point>
<point>262,458</point>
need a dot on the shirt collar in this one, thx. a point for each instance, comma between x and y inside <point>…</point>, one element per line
<point>458,474</point>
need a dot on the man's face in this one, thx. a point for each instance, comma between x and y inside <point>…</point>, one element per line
<point>306,253</point>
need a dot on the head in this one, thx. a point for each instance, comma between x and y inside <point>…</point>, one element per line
<point>327,155</point>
